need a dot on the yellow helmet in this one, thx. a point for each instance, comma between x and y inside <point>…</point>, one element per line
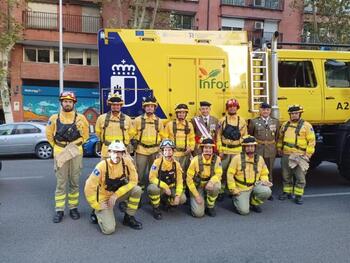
<point>181,107</point>
<point>149,101</point>
<point>249,140</point>
<point>115,98</point>
<point>295,108</point>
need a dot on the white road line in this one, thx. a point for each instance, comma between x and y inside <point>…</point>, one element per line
<point>326,195</point>
<point>21,178</point>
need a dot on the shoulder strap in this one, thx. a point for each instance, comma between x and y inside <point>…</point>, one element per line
<point>174,131</point>
<point>238,119</point>
<point>297,130</point>
<point>200,164</point>
<point>107,171</point>
<point>105,125</point>
<point>160,170</point>
<point>212,165</point>
<point>187,131</point>
<point>143,125</point>
<point>122,125</point>
<point>255,165</point>
<point>285,128</point>
<point>125,168</point>
<point>243,166</point>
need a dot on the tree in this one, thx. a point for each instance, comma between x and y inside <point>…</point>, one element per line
<point>328,21</point>
<point>10,32</point>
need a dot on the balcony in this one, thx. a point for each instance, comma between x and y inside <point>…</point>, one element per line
<point>71,23</point>
<point>264,4</point>
<point>259,37</point>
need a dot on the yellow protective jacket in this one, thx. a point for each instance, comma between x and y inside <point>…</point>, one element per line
<point>302,143</point>
<point>95,186</point>
<point>184,135</point>
<point>237,181</point>
<point>225,145</point>
<point>67,118</point>
<point>166,166</point>
<point>150,137</point>
<point>210,171</point>
<point>113,131</point>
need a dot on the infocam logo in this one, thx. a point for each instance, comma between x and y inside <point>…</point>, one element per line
<point>208,80</point>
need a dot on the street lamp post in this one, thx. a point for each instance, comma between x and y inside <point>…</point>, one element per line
<point>61,67</point>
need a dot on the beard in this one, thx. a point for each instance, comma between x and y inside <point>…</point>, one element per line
<point>67,108</point>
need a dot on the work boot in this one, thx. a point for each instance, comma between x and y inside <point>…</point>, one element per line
<point>122,206</point>
<point>270,198</point>
<point>299,199</point>
<point>74,214</point>
<point>164,202</point>
<point>132,222</point>
<point>93,217</point>
<point>156,213</point>
<point>256,208</point>
<point>57,218</point>
<point>210,212</point>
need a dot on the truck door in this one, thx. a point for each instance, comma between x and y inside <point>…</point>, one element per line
<point>298,84</point>
<point>182,85</point>
<point>337,90</point>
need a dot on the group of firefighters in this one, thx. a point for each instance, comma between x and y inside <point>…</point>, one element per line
<point>200,159</point>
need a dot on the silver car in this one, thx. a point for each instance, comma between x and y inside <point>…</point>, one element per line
<point>24,138</point>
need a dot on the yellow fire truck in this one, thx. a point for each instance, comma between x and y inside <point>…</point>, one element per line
<point>191,66</point>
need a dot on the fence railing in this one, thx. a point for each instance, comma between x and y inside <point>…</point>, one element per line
<point>71,23</point>
<point>269,4</point>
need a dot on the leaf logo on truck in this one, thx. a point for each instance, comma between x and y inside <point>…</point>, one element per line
<point>207,80</point>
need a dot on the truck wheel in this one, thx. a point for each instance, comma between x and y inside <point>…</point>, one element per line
<point>43,150</point>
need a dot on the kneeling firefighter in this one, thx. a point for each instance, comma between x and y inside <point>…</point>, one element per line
<point>165,178</point>
<point>204,180</point>
<point>248,179</point>
<point>114,179</point>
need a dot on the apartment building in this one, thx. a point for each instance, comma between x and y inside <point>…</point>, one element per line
<point>34,75</point>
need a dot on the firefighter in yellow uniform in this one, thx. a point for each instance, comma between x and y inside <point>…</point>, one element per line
<point>66,132</point>
<point>232,128</point>
<point>112,180</point>
<point>181,132</point>
<point>165,178</point>
<point>296,144</point>
<point>204,180</point>
<point>113,125</point>
<point>149,133</point>
<point>248,179</point>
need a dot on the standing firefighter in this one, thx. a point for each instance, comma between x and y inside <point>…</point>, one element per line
<point>296,144</point>
<point>66,132</point>
<point>166,183</point>
<point>205,125</point>
<point>113,125</point>
<point>265,130</point>
<point>181,132</point>
<point>114,179</point>
<point>247,179</point>
<point>232,128</point>
<point>149,130</point>
<point>204,180</point>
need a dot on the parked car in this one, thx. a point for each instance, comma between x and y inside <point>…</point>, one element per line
<point>24,138</point>
<point>91,147</point>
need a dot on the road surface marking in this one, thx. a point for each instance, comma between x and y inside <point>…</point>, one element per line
<point>21,178</point>
<point>326,195</point>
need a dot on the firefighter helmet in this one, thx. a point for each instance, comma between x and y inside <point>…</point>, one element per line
<point>295,109</point>
<point>207,142</point>
<point>232,103</point>
<point>149,101</point>
<point>167,143</point>
<point>181,107</point>
<point>249,140</point>
<point>115,98</point>
<point>117,146</point>
<point>68,95</point>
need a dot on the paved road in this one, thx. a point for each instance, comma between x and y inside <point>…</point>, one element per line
<point>318,231</point>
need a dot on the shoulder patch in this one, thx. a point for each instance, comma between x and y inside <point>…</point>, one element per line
<point>49,122</point>
<point>220,164</point>
<point>96,172</point>
<point>154,167</point>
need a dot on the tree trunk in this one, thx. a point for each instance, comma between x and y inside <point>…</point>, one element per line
<point>155,10</point>
<point>136,13</point>
<point>315,26</point>
<point>142,18</point>
<point>4,89</point>
<point>120,11</point>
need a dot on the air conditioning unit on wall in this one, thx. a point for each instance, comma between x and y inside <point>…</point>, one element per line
<point>259,25</point>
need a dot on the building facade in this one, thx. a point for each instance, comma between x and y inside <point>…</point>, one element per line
<point>34,74</point>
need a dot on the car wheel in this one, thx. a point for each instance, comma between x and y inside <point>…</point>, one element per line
<point>97,151</point>
<point>43,150</point>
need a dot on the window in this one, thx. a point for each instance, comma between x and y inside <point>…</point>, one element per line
<point>75,56</point>
<point>179,21</point>
<point>232,23</point>
<point>56,56</point>
<point>296,74</point>
<point>26,129</point>
<point>91,58</point>
<point>6,129</point>
<point>337,74</point>
<point>44,55</point>
<point>29,55</point>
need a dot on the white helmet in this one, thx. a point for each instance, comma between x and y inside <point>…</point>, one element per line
<point>117,146</point>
